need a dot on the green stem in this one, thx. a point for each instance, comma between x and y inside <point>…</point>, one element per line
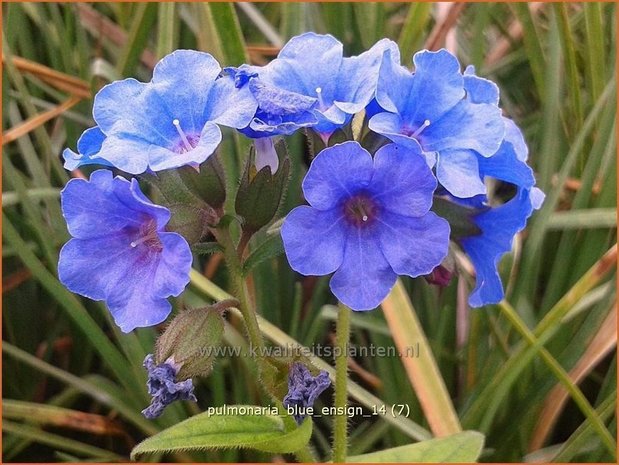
<point>250,319</point>
<point>340,430</point>
<point>238,282</point>
<point>562,376</point>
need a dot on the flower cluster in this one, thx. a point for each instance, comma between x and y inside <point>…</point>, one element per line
<point>428,137</point>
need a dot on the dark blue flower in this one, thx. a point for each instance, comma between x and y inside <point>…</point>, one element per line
<point>163,386</point>
<point>88,148</point>
<point>368,221</point>
<point>172,120</point>
<point>310,83</point>
<point>498,227</point>
<point>500,224</point>
<point>120,252</point>
<point>304,389</point>
<point>430,109</point>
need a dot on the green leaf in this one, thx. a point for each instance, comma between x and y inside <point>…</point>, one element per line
<point>228,29</point>
<point>142,23</point>
<point>211,431</point>
<point>270,248</point>
<point>583,219</point>
<point>460,447</point>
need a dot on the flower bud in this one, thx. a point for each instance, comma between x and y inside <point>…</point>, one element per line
<point>191,215</point>
<point>442,274</point>
<point>191,339</point>
<point>208,183</point>
<point>260,193</point>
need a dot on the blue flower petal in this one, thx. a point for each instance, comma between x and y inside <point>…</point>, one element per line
<point>183,81</point>
<point>365,277</point>
<point>480,90</point>
<point>499,226</point>
<point>336,172</point>
<point>164,387</point>
<point>304,389</point>
<point>277,101</point>
<point>505,165</point>
<point>116,111</point>
<point>306,62</point>
<point>514,136</point>
<point>88,147</point>
<point>131,154</point>
<point>228,105</point>
<point>361,72</point>
<point>390,126</point>
<point>210,137</point>
<point>266,125</point>
<point>314,240</point>
<point>537,198</point>
<point>394,84</point>
<point>458,171</point>
<point>437,86</point>
<point>477,127</point>
<point>402,181</point>
<point>413,246</point>
<point>91,208</point>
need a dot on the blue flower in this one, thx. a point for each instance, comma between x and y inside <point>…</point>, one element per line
<point>88,148</point>
<point>172,120</point>
<point>310,83</point>
<point>430,109</point>
<point>163,386</point>
<point>368,221</point>
<point>120,252</point>
<point>304,389</point>
<point>499,225</point>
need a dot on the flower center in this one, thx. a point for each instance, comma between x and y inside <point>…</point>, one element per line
<point>361,210</point>
<point>415,132</point>
<point>148,236</point>
<point>188,142</point>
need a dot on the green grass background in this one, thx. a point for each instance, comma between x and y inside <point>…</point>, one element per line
<point>62,354</point>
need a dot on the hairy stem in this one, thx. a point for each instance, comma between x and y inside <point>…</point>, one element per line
<point>233,261</point>
<point>238,281</point>
<point>340,430</point>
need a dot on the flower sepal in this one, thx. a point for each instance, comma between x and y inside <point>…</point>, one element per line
<point>208,182</point>
<point>191,216</point>
<point>191,339</point>
<point>261,192</point>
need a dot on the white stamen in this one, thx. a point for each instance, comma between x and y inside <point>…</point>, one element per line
<point>365,218</point>
<point>147,237</point>
<point>425,124</point>
<point>181,133</point>
<point>321,100</point>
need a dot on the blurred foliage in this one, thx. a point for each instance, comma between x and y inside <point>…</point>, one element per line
<point>63,359</point>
